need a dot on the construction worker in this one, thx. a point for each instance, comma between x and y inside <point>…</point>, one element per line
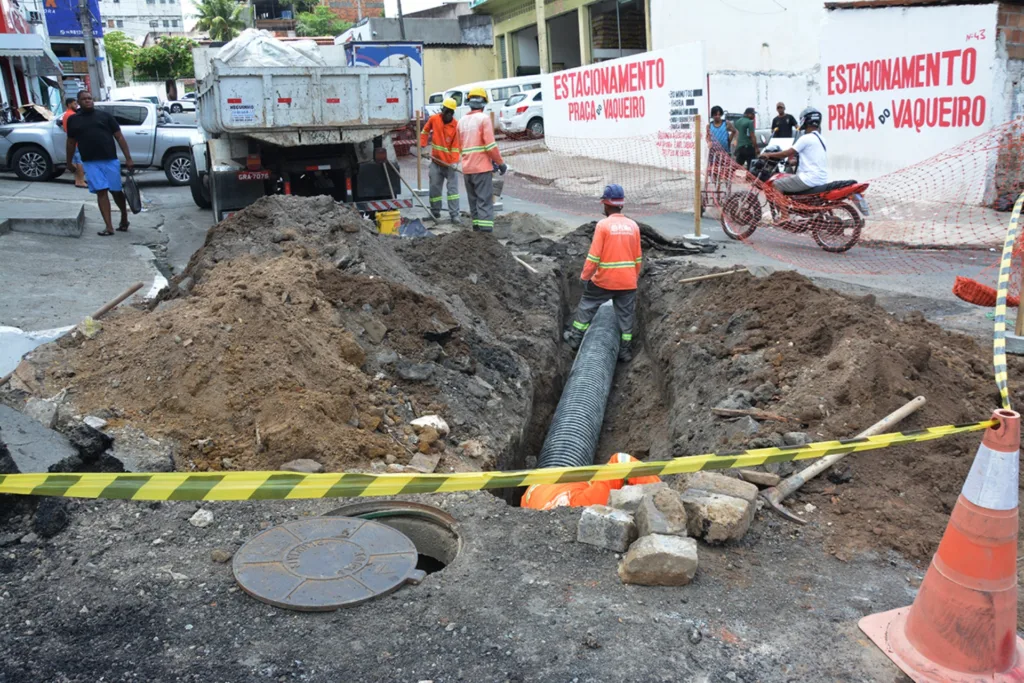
<point>444,155</point>
<point>583,493</point>
<point>610,273</point>
<point>480,158</point>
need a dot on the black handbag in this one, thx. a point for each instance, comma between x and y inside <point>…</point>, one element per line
<point>131,192</point>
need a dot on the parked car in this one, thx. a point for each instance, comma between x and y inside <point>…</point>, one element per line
<point>433,105</point>
<point>184,104</point>
<point>36,151</point>
<point>523,112</point>
<point>498,92</point>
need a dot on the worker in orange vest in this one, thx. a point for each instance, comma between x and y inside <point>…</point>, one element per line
<point>480,158</point>
<point>445,152</point>
<point>580,494</point>
<point>610,273</point>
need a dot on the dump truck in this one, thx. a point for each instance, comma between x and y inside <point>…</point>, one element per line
<point>291,118</point>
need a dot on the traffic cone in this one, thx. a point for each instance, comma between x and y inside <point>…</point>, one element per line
<point>963,624</point>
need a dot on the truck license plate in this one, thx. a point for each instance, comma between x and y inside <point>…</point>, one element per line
<point>254,175</point>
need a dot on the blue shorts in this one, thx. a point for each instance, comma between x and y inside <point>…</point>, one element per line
<point>77,159</point>
<point>103,175</point>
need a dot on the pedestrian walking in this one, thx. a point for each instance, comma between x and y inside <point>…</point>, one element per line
<point>442,131</point>
<point>93,132</point>
<point>783,125</point>
<point>75,163</point>
<point>722,134</point>
<point>746,141</point>
<point>610,273</point>
<point>480,159</point>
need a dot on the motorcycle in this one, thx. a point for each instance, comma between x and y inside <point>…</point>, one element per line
<point>824,211</point>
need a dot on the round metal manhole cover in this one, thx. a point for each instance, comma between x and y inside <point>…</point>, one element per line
<point>324,563</point>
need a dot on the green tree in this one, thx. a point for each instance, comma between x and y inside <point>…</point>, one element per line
<point>220,19</point>
<point>169,58</point>
<point>121,51</point>
<point>320,22</point>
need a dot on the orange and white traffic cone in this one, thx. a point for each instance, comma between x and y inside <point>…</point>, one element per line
<point>963,624</point>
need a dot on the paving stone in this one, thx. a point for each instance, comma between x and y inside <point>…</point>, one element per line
<point>628,497</point>
<point>423,463</point>
<point>606,527</point>
<point>796,438</point>
<point>661,512</point>
<point>760,478</point>
<point>42,411</point>
<point>660,560</point>
<point>33,447</point>
<point>714,517</point>
<point>303,465</point>
<point>712,482</point>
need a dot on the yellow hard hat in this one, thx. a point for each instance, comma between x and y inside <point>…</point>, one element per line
<point>478,92</point>
<point>450,103</point>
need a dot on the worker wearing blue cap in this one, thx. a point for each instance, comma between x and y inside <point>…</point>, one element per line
<point>610,273</point>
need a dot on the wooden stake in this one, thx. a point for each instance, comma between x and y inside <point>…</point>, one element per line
<point>712,276</point>
<point>698,134</point>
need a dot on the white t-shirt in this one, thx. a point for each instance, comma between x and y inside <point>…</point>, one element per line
<point>813,168</point>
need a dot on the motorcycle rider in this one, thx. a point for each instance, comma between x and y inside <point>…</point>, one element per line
<point>812,165</point>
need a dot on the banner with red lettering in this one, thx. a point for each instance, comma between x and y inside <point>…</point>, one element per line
<point>902,84</point>
<point>642,107</point>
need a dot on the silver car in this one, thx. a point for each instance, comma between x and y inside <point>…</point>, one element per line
<point>36,151</point>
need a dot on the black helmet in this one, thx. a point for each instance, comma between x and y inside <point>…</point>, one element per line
<point>810,116</point>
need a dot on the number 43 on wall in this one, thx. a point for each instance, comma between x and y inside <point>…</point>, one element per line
<point>977,35</point>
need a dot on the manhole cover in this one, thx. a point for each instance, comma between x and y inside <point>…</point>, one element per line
<point>321,564</point>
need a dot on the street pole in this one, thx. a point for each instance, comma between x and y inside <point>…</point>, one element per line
<point>542,36</point>
<point>401,19</point>
<point>359,8</point>
<point>618,26</point>
<point>90,49</point>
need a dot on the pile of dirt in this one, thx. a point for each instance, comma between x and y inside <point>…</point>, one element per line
<point>276,353</point>
<point>832,365</point>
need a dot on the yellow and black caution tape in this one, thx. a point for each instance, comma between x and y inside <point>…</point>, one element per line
<point>1002,290</point>
<point>293,486</point>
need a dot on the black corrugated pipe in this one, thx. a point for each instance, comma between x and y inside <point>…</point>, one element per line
<point>576,427</point>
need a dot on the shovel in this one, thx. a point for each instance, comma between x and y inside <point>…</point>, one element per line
<point>756,271</point>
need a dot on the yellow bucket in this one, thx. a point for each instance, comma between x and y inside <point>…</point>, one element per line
<point>388,222</point>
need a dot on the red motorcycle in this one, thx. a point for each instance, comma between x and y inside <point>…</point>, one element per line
<point>826,211</point>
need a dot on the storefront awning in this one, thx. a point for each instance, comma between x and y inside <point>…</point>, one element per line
<point>31,46</point>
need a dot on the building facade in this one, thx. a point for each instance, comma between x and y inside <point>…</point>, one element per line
<point>540,36</point>
<point>29,70</point>
<point>137,18</point>
<point>354,11</point>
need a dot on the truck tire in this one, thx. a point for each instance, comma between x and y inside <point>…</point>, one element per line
<point>200,187</point>
<point>178,168</point>
<point>32,163</point>
<point>176,108</point>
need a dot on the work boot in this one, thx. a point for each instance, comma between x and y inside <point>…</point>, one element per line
<point>436,215</point>
<point>457,221</point>
<point>626,352</point>
<point>573,338</point>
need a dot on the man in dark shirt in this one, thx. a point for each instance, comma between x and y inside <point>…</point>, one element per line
<point>784,124</point>
<point>93,131</point>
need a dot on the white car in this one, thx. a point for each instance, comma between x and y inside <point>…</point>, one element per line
<point>523,112</point>
<point>184,104</point>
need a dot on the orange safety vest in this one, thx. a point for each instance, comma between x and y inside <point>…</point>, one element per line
<point>580,494</point>
<point>614,259</point>
<point>445,146</point>
<point>479,149</point>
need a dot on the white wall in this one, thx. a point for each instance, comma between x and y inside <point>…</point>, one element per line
<point>758,51</point>
<point>879,143</point>
<point>564,37</point>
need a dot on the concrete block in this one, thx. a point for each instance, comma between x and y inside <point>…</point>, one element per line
<point>606,527</point>
<point>5,226</point>
<point>712,482</point>
<point>659,560</point>
<point>628,497</point>
<point>661,512</point>
<point>423,463</point>
<point>760,478</point>
<point>1015,345</point>
<point>33,447</point>
<point>714,517</point>
<point>44,218</point>
<point>303,466</point>
<point>43,411</point>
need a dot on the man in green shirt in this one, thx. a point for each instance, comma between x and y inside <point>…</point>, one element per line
<point>746,141</point>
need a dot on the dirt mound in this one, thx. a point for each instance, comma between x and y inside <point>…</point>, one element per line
<point>276,354</point>
<point>833,365</point>
<point>280,224</point>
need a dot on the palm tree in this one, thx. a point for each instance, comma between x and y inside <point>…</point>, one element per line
<point>221,19</point>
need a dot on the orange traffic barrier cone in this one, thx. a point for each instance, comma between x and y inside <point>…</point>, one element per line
<point>963,624</point>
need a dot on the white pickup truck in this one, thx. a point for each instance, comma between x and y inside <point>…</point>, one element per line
<point>36,151</point>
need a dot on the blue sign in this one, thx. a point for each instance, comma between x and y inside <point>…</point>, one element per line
<point>62,18</point>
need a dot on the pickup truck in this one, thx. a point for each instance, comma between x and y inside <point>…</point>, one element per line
<point>36,151</point>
